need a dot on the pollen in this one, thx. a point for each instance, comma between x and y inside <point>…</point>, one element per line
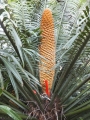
<point>47,49</point>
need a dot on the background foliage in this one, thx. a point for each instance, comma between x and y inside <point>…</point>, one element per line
<point>19,57</point>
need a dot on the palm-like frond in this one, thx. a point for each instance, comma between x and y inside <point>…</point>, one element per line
<point>73,75</point>
<point>27,27</point>
<point>66,13</point>
<point>16,67</point>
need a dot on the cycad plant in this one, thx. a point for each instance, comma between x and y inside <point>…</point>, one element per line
<point>44,59</point>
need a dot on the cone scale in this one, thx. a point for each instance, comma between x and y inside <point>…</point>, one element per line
<point>47,50</point>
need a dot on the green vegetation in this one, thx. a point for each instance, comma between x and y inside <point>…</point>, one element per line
<point>21,96</point>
